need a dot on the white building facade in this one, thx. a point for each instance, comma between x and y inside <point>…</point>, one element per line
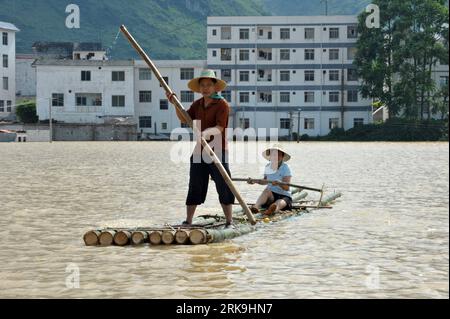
<point>7,69</point>
<point>89,91</point>
<point>82,91</point>
<point>280,69</point>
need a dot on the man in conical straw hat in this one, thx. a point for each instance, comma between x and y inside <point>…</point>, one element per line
<point>211,112</point>
<point>275,197</point>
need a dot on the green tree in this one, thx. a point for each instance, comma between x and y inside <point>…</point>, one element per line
<point>396,60</point>
<point>27,112</point>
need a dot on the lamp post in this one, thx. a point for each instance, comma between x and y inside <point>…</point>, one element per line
<point>50,120</point>
<point>298,126</point>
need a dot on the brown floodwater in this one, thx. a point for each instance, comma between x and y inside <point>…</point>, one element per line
<point>386,237</point>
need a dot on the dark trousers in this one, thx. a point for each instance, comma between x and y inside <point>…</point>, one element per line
<point>199,180</point>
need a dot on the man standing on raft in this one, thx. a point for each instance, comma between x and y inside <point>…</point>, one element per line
<point>211,112</point>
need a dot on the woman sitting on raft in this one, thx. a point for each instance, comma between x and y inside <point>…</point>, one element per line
<point>275,197</point>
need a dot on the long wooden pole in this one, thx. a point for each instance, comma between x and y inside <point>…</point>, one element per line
<point>188,119</point>
<point>265,182</point>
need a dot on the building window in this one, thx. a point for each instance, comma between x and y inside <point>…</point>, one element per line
<point>334,33</point>
<point>186,73</point>
<point>333,123</point>
<point>352,75</point>
<point>85,75</point>
<point>57,99</point>
<point>88,99</point>
<point>333,96</point>
<point>265,97</point>
<point>244,76</point>
<point>285,54</point>
<point>164,126</point>
<point>285,76</point>
<point>309,75</point>
<point>145,74</point>
<point>244,123</point>
<point>244,55</point>
<point>244,34</point>
<point>145,96</point>
<point>309,33</point>
<point>118,76</point>
<point>351,52</point>
<point>226,95</point>
<point>351,32</point>
<point>145,122</point>
<point>309,54</point>
<point>163,104</point>
<point>334,54</point>
<point>5,38</point>
<point>8,106</point>
<point>166,79</point>
<point>358,122</point>
<point>285,97</point>
<point>225,54</point>
<point>309,124</point>
<point>443,81</point>
<point>333,75</point>
<point>226,75</point>
<point>81,101</point>
<point>225,33</point>
<point>187,96</point>
<point>265,55</point>
<point>2,106</point>
<point>285,124</point>
<point>214,53</point>
<point>214,32</point>
<point>352,96</point>
<point>118,100</point>
<point>5,83</point>
<point>309,97</point>
<point>285,34</point>
<point>244,97</point>
<point>5,60</point>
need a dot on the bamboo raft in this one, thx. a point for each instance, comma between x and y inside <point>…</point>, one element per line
<point>205,229</point>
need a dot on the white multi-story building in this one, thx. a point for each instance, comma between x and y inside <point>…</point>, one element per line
<point>95,91</point>
<point>7,69</point>
<point>82,91</point>
<point>280,68</point>
<point>153,112</point>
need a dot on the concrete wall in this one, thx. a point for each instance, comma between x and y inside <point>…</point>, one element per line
<point>94,132</point>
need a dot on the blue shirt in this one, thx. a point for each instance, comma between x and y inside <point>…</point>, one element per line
<point>271,175</point>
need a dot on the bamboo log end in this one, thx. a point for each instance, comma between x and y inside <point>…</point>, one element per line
<point>168,237</point>
<point>139,237</point>
<point>122,238</point>
<point>91,238</point>
<point>106,238</point>
<point>181,236</point>
<point>155,237</point>
<point>198,236</point>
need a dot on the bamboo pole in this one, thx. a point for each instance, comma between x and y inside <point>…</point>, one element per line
<point>155,237</point>
<point>168,237</point>
<point>122,238</point>
<point>182,236</point>
<point>139,237</point>
<point>265,182</point>
<point>188,119</point>
<point>198,236</point>
<point>91,238</point>
<point>106,238</point>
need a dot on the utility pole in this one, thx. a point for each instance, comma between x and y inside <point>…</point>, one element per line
<point>326,6</point>
<point>50,120</point>
<point>298,126</point>
<point>290,126</point>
